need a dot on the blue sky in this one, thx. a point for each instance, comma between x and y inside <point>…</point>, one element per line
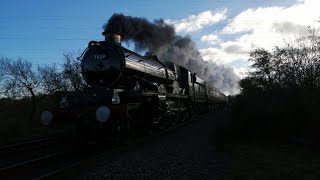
<point>41,30</point>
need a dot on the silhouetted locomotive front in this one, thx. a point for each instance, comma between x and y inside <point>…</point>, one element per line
<point>131,94</point>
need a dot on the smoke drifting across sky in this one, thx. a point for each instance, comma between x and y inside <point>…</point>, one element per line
<point>162,39</point>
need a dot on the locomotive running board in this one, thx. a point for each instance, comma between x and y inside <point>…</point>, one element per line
<point>168,95</point>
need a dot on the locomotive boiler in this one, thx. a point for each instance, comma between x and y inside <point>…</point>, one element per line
<point>109,65</point>
<point>130,94</point>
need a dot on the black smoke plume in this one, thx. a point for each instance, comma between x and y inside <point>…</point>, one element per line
<point>161,39</point>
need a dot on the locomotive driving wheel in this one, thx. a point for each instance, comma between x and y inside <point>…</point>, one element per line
<point>134,127</point>
<point>161,122</point>
<point>183,115</point>
<point>174,118</point>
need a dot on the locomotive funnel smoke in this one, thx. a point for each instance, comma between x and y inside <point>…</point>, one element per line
<point>161,39</point>
<point>144,34</point>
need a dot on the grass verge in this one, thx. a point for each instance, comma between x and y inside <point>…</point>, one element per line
<point>271,161</point>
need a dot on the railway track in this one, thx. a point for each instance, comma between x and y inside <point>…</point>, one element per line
<point>48,161</point>
<point>26,146</point>
<point>29,169</point>
<point>114,150</point>
<point>15,157</point>
<point>48,164</point>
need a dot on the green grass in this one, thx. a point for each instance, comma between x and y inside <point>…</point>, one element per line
<point>272,161</point>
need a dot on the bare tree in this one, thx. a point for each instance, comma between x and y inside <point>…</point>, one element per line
<point>19,79</point>
<point>52,79</point>
<point>72,71</point>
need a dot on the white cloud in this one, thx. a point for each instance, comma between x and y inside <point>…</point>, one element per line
<point>227,52</point>
<point>235,47</point>
<point>252,19</point>
<point>241,72</point>
<point>214,54</point>
<point>267,27</point>
<point>210,39</point>
<point>260,28</point>
<point>221,56</point>
<point>198,22</point>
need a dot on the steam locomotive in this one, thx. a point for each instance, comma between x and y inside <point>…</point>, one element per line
<point>131,94</point>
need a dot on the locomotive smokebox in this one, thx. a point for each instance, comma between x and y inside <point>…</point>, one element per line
<point>112,37</point>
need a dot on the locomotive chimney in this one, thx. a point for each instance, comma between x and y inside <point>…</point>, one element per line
<point>112,37</point>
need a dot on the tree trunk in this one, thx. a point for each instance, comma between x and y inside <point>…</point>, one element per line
<point>33,110</point>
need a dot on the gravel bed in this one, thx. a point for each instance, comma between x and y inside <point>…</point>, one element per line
<point>187,152</point>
